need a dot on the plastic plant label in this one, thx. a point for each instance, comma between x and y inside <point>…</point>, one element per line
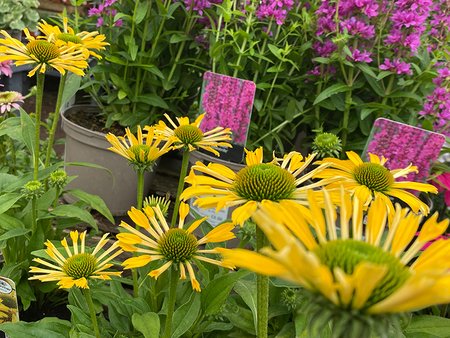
<point>214,217</point>
<point>228,102</point>
<point>9,311</point>
<point>403,144</point>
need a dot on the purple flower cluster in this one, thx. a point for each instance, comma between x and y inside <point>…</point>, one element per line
<point>403,144</point>
<point>200,5</point>
<point>409,22</point>
<point>228,103</point>
<point>439,23</point>
<point>397,66</point>
<point>437,106</point>
<point>360,55</point>
<point>104,10</point>
<point>275,9</point>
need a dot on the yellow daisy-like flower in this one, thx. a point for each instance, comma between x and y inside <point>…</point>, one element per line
<point>91,41</point>
<point>141,150</point>
<point>363,268</point>
<point>172,246</point>
<point>189,135</point>
<point>218,187</point>
<point>368,180</point>
<point>76,266</point>
<point>41,53</point>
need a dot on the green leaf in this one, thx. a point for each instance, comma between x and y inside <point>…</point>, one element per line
<point>153,100</point>
<point>186,315</point>
<point>94,201</point>
<point>216,292</point>
<point>247,290</point>
<point>428,327</point>
<point>8,200</point>
<point>71,87</point>
<point>14,233</point>
<point>8,222</point>
<point>365,68</point>
<point>27,125</point>
<point>79,316</point>
<point>405,94</point>
<point>366,112</point>
<point>178,37</point>
<point>121,94</point>
<point>375,85</point>
<point>141,12</point>
<point>68,210</point>
<point>147,324</point>
<point>11,127</point>
<point>45,328</point>
<point>330,91</point>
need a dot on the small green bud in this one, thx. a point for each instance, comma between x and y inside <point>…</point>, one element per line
<point>327,145</point>
<point>153,201</point>
<point>290,298</point>
<point>58,179</point>
<point>32,189</point>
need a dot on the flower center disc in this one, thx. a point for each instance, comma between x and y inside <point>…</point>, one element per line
<point>265,181</point>
<point>140,151</point>
<point>44,51</point>
<point>177,245</point>
<point>188,134</point>
<point>347,254</point>
<point>374,176</point>
<point>10,97</point>
<point>66,37</point>
<point>80,265</point>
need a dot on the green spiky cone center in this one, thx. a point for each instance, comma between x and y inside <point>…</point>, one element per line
<point>66,37</point>
<point>347,254</point>
<point>177,245</point>
<point>374,176</point>
<point>188,134</point>
<point>265,181</point>
<point>80,265</point>
<point>44,51</point>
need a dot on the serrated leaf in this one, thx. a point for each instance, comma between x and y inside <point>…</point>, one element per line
<point>330,91</point>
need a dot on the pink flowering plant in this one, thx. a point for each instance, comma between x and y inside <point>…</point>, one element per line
<point>334,66</point>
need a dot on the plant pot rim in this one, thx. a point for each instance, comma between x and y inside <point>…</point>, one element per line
<point>86,131</point>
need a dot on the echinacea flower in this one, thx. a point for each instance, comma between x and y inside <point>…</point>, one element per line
<point>5,68</point>
<point>76,266</point>
<point>366,270</point>
<point>155,241</point>
<point>142,150</point>
<point>368,180</point>
<point>10,100</point>
<point>190,136</point>
<point>217,186</point>
<point>91,41</point>
<point>41,53</point>
<point>443,185</point>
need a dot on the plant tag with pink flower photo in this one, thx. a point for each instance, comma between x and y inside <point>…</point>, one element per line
<point>403,144</point>
<point>228,102</point>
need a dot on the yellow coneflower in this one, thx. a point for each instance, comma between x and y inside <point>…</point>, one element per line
<point>142,150</point>
<point>189,135</point>
<point>368,180</point>
<point>155,241</point>
<point>77,265</point>
<point>359,270</point>
<point>41,53</point>
<point>218,186</point>
<point>92,41</point>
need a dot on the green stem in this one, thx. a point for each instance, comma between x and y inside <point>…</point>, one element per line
<point>317,107</point>
<point>263,49</point>
<point>262,292</point>
<point>39,95</point>
<point>133,28</point>
<point>140,188</point>
<point>183,172</point>
<point>171,302</point>
<point>90,303</point>
<point>33,215</point>
<point>244,44</point>
<point>51,136</point>
<point>160,28</point>
<point>12,149</point>
<point>348,103</point>
<point>219,25</point>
